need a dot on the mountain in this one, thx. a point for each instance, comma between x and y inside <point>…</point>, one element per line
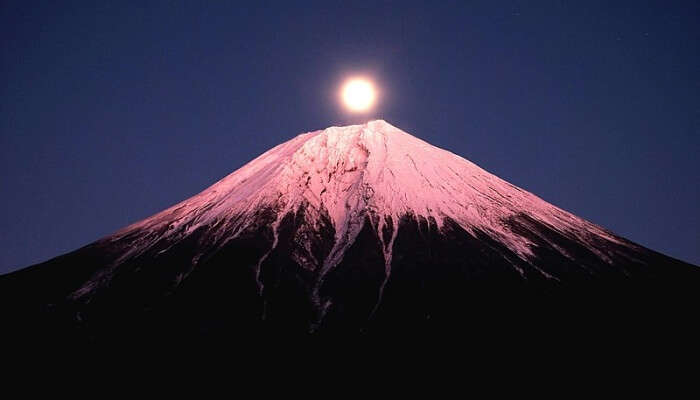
<point>361,230</point>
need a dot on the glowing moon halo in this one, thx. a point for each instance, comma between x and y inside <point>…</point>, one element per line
<point>358,94</point>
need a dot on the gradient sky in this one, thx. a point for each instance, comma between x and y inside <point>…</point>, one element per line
<point>110,113</point>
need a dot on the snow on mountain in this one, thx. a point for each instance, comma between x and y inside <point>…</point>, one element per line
<point>348,173</point>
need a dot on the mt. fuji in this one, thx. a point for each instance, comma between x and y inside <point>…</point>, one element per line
<point>354,230</point>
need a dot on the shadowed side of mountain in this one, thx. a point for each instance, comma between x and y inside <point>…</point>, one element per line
<point>441,284</point>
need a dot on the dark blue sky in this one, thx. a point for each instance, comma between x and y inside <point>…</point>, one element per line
<point>110,113</point>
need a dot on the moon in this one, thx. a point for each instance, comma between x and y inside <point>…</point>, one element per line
<point>358,94</point>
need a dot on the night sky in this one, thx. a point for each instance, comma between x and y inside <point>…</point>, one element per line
<point>110,113</point>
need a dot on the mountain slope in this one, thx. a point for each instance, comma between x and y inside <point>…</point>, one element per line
<point>353,229</point>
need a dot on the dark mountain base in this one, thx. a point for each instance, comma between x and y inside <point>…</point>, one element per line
<point>559,329</point>
<point>448,290</point>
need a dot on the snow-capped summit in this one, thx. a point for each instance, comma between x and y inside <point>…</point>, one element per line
<point>347,229</point>
<point>372,170</point>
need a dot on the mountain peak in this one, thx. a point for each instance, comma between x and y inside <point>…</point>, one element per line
<point>375,125</point>
<point>380,125</point>
<point>367,129</point>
